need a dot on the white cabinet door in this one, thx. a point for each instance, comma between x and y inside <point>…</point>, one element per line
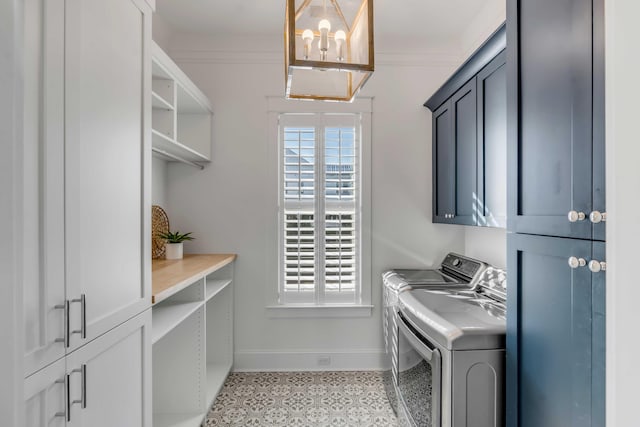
<point>110,378</point>
<point>107,161</point>
<point>44,397</point>
<point>43,184</point>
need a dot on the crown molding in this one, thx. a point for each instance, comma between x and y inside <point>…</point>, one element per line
<point>396,58</point>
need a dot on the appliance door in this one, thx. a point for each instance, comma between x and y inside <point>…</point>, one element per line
<point>390,330</point>
<point>419,376</point>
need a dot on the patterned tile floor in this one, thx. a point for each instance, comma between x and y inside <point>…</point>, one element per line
<point>304,399</point>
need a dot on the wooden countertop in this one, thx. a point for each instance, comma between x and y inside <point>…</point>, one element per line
<point>172,275</point>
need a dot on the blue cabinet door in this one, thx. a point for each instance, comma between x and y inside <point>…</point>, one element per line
<point>464,107</point>
<point>454,158</point>
<point>555,333</point>
<point>444,164</point>
<point>491,201</point>
<point>598,346</point>
<point>555,121</point>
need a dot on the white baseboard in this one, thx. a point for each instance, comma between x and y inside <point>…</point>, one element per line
<point>308,360</point>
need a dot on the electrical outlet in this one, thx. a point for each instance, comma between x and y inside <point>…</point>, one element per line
<point>324,360</point>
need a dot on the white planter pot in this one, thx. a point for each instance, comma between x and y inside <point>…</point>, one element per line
<point>174,251</point>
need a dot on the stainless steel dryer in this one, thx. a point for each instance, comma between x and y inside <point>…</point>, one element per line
<point>451,361</point>
<point>455,272</point>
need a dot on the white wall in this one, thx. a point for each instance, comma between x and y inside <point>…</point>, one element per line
<point>227,207</point>
<point>486,244</point>
<point>623,205</point>
<point>161,32</point>
<point>491,16</point>
<point>159,177</point>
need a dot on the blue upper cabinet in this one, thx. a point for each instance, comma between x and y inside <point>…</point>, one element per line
<point>469,124</point>
<point>555,118</point>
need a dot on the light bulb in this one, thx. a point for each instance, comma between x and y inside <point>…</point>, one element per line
<point>340,38</point>
<point>324,26</point>
<point>307,37</point>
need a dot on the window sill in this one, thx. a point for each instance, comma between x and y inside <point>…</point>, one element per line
<point>319,311</point>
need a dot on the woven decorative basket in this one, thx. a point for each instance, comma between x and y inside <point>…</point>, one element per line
<point>159,225</point>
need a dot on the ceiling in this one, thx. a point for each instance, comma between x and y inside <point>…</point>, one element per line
<point>428,20</point>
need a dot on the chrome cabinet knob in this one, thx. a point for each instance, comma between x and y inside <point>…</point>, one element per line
<point>576,262</point>
<point>597,216</point>
<point>597,266</point>
<point>575,216</point>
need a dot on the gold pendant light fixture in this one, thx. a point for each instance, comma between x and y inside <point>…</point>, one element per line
<point>328,48</point>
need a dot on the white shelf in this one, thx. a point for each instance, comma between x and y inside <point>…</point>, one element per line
<point>169,315</point>
<point>171,146</point>
<point>216,374</point>
<point>177,420</point>
<point>215,286</point>
<point>180,107</point>
<point>159,103</point>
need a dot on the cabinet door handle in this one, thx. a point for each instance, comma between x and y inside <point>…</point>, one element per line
<point>575,262</point>
<point>597,266</point>
<point>83,390</point>
<point>597,216</point>
<point>65,383</point>
<point>68,393</point>
<point>65,327</point>
<point>83,316</point>
<point>575,216</point>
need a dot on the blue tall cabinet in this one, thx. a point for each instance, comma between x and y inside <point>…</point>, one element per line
<point>556,213</point>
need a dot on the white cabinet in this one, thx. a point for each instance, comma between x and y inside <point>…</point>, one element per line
<point>106,160</point>
<point>86,172</point>
<point>43,184</point>
<point>192,336</point>
<point>103,384</point>
<point>182,114</point>
<point>86,198</point>
<point>111,377</point>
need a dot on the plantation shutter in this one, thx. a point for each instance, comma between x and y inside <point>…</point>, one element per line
<point>319,208</point>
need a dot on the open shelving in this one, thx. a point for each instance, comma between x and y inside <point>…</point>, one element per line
<point>192,336</point>
<point>181,114</point>
<point>169,316</point>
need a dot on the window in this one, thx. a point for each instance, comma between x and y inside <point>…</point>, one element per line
<point>320,209</point>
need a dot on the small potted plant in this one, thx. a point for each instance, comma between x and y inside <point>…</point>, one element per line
<point>174,243</point>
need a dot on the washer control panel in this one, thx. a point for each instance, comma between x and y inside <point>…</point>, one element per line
<point>462,265</point>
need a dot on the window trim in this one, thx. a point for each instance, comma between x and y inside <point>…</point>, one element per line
<point>275,107</point>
